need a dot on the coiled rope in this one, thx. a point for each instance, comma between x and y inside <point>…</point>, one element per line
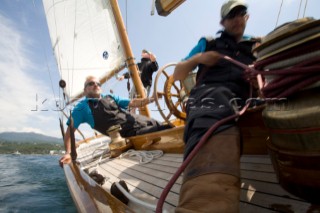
<point>142,156</point>
<point>291,79</point>
<point>301,75</point>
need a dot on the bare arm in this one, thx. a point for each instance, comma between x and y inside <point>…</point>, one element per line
<point>67,141</point>
<point>183,68</point>
<point>153,58</point>
<point>67,144</point>
<point>140,102</point>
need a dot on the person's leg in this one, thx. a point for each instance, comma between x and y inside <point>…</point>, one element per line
<point>211,180</point>
<point>151,125</point>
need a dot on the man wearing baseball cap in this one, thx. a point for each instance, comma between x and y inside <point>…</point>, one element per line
<point>230,5</point>
<point>211,181</point>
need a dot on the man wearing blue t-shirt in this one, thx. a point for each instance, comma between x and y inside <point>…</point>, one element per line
<point>104,111</point>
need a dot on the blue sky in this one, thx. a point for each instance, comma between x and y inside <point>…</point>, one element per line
<point>29,77</point>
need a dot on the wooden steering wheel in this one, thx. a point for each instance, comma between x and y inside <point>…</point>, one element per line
<point>173,92</point>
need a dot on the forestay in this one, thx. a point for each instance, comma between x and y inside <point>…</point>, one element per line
<point>84,39</point>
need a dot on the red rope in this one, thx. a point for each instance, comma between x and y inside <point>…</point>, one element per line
<point>289,80</point>
<point>251,72</point>
<point>292,87</point>
<point>185,163</point>
<point>202,141</point>
<point>302,49</point>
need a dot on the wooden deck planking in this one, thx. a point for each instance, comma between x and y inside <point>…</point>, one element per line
<point>163,172</point>
<point>166,163</point>
<point>261,176</point>
<point>265,187</point>
<point>147,187</point>
<point>168,169</point>
<point>155,178</point>
<point>135,191</point>
<point>172,158</point>
<point>277,203</point>
<point>257,167</point>
<point>261,159</point>
<point>249,208</point>
<point>260,191</point>
<point>89,153</point>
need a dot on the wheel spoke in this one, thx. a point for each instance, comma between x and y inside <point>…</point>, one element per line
<point>175,95</point>
<point>176,87</point>
<point>169,89</point>
<point>177,103</point>
<point>160,94</point>
<point>165,74</point>
<point>168,116</point>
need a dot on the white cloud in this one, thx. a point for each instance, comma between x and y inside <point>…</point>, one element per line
<point>19,85</point>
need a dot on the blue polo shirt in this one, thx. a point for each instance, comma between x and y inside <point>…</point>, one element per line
<point>202,44</point>
<point>82,113</point>
<point>199,48</point>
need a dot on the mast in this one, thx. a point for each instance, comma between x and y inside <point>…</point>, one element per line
<point>129,55</point>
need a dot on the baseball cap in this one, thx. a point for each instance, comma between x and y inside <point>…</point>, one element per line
<point>229,5</point>
<point>145,51</point>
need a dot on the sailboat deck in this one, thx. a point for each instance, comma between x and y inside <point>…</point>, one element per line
<point>260,190</point>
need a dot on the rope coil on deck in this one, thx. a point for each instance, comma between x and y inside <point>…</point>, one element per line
<point>142,156</point>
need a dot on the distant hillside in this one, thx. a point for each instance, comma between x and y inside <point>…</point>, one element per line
<point>28,137</point>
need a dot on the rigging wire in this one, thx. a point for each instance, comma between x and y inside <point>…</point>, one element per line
<point>299,9</point>
<point>73,49</point>
<point>47,64</point>
<point>110,86</point>
<point>305,8</point>
<point>279,14</point>
<point>153,6</point>
<point>56,51</point>
<point>56,43</point>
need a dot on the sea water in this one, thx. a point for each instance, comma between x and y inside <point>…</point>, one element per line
<point>33,183</point>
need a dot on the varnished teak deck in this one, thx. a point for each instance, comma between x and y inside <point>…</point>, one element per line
<point>260,190</point>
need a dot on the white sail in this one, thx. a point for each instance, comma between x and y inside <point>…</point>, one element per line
<point>84,39</point>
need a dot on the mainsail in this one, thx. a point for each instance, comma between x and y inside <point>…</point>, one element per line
<point>85,40</point>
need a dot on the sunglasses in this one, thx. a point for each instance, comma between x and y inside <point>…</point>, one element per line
<point>235,13</point>
<point>91,83</point>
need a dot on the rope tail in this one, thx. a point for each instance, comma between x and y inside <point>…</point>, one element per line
<point>202,141</point>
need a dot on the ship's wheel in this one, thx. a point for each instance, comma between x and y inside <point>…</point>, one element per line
<point>170,96</point>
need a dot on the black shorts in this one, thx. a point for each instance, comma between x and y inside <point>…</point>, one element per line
<point>206,105</point>
<point>141,125</point>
